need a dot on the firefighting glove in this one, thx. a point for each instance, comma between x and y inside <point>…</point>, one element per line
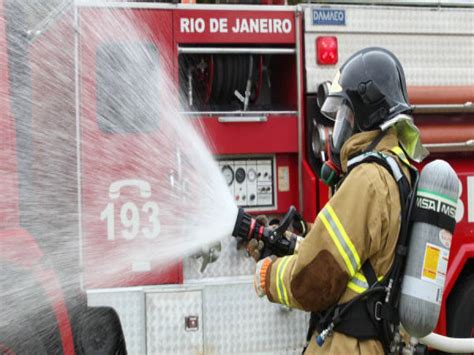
<point>255,248</point>
<point>261,270</point>
<point>241,243</point>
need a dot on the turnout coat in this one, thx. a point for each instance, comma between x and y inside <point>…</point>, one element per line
<point>361,221</point>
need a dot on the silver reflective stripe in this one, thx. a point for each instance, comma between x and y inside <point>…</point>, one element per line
<point>359,282</point>
<point>397,173</point>
<point>347,250</point>
<point>362,157</point>
<point>395,168</point>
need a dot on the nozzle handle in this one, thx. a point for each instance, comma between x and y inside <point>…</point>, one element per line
<point>287,220</point>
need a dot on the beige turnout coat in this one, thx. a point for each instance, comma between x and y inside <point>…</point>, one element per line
<point>361,221</point>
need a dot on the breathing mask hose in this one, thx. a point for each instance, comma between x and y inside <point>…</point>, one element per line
<point>248,228</point>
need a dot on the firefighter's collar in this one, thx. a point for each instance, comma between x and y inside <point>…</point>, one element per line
<point>408,135</point>
<point>360,141</point>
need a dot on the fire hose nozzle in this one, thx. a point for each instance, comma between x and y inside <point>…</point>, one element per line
<point>243,225</point>
<point>247,228</point>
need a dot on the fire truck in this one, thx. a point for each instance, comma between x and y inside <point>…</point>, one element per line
<point>253,79</point>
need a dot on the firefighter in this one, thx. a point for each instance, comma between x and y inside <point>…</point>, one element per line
<point>358,228</point>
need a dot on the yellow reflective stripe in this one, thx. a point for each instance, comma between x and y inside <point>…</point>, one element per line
<point>337,243</point>
<point>281,289</point>
<point>341,239</point>
<point>400,154</point>
<point>360,276</point>
<point>278,286</point>
<point>285,292</point>
<point>356,288</point>
<point>344,234</point>
<point>359,283</point>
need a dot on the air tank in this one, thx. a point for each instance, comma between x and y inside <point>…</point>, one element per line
<point>430,241</point>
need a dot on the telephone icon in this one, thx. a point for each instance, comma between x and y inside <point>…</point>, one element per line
<point>143,187</point>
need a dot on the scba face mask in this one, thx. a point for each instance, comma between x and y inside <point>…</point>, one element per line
<point>337,109</point>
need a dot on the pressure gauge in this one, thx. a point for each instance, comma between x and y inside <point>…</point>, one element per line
<point>228,174</point>
<point>251,175</point>
<point>240,175</point>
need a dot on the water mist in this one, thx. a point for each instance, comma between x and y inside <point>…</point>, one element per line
<point>112,179</point>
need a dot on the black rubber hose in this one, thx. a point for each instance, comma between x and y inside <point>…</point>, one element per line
<point>228,76</point>
<point>218,79</point>
<point>242,77</point>
<point>235,79</point>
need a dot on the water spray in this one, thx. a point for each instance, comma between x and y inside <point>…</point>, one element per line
<point>277,241</point>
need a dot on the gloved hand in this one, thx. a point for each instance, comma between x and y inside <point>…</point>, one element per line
<point>263,220</point>
<point>261,269</point>
<point>255,247</point>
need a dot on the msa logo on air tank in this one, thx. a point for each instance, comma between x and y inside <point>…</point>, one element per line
<point>329,17</point>
<point>436,205</point>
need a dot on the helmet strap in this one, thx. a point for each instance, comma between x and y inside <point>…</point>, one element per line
<point>374,143</point>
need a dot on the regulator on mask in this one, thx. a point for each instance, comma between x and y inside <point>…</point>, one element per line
<point>339,110</point>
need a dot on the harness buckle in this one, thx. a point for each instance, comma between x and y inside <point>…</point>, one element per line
<point>378,311</point>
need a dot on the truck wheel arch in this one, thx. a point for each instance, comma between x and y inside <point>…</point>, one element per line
<point>462,283</point>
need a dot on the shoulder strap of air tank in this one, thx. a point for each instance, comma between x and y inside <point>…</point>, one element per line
<point>369,273</point>
<point>391,165</point>
<point>387,162</point>
<point>407,193</point>
<point>384,160</point>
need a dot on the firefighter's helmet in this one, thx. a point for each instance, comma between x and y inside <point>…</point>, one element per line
<point>368,90</point>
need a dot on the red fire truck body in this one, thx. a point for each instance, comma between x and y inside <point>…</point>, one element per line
<point>249,77</point>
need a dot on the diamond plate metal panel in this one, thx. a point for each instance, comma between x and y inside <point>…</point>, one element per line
<point>232,262</point>
<point>435,46</point>
<point>166,312</point>
<point>130,306</point>
<point>238,322</point>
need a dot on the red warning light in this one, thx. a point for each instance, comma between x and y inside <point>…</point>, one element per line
<point>326,50</point>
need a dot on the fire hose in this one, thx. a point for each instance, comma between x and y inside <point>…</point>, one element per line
<point>450,345</point>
